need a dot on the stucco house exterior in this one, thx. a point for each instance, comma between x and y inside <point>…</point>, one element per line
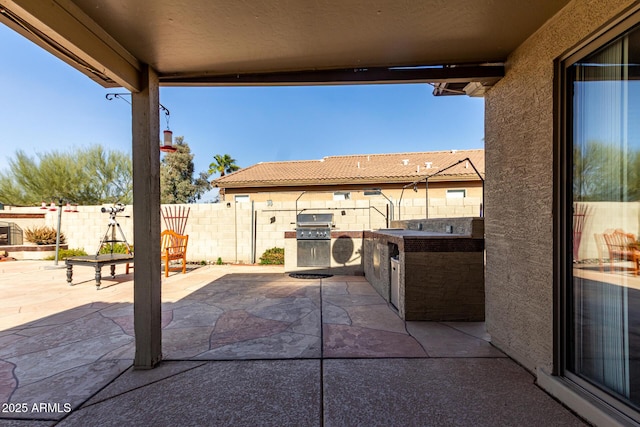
<point>559,79</point>
<point>349,177</point>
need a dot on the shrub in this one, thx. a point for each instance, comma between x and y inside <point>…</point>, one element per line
<point>66,253</point>
<point>219,261</point>
<point>43,235</point>
<point>118,248</point>
<point>273,256</point>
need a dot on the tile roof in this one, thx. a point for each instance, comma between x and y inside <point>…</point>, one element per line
<point>360,168</point>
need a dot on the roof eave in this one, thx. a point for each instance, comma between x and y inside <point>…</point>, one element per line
<point>344,181</point>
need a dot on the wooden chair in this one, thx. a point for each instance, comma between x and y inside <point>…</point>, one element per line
<point>622,247</point>
<point>175,218</point>
<point>173,248</point>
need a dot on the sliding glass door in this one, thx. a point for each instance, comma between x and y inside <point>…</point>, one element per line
<point>602,310</point>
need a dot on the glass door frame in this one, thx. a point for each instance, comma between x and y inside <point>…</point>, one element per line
<point>563,211</point>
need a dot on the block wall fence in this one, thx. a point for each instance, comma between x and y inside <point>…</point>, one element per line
<point>241,232</point>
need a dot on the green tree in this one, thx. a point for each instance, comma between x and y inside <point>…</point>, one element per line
<point>223,163</point>
<point>177,184</point>
<point>85,176</point>
<point>605,172</point>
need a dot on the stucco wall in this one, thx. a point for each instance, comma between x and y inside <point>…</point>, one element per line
<point>519,185</point>
<point>437,189</point>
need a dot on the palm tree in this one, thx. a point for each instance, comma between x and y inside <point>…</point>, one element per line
<point>223,163</point>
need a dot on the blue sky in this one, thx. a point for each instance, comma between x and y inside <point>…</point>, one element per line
<point>46,105</point>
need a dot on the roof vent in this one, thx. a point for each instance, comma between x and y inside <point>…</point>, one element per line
<point>428,165</point>
<point>405,162</point>
<point>454,151</point>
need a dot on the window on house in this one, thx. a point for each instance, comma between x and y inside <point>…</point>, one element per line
<point>242,198</point>
<point>600,282</point>
<point>341,195</point>
<point>456,194</point>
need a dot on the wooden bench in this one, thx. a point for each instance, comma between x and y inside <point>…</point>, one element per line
<point>97,261</point>
<point>173,248</point>
<point>622,247</point>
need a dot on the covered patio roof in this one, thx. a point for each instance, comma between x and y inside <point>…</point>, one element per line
<point>143,44</point>
<point>226,42</point>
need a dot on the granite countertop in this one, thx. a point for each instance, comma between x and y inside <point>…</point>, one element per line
<point>400,232</point>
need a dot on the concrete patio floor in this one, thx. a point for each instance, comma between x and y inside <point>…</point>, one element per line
<point>247,346</point>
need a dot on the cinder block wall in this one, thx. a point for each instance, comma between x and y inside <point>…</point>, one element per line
<point>519,126</point>
<point>226,230</point>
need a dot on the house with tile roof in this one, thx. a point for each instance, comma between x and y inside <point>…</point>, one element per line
<point>448,174</point>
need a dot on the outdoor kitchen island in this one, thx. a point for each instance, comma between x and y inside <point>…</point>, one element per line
<point>429,275</point>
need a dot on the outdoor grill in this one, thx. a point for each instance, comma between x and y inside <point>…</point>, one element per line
<point>313,234</point>
<point>314,226</point>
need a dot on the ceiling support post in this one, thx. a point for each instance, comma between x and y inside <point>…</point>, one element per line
<point>147,280</point>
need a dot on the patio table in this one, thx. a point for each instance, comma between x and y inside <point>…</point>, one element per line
<point>97,261</point>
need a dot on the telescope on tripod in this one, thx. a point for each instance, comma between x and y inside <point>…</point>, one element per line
<point>110,234</point>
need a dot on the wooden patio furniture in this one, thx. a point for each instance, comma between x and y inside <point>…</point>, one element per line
<point>622,246</point>
<point>175,218</point>
<point>173,248</point>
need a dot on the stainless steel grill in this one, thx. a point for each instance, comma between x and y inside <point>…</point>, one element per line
<point>313,232</point>
<point>314,226</point>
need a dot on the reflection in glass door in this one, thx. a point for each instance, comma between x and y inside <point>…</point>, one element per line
<point>603,96</point>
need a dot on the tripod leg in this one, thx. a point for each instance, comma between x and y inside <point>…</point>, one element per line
<point>105,239</point>
<point>124,239</point>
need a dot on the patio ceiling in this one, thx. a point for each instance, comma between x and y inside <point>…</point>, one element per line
<point>254,42</point>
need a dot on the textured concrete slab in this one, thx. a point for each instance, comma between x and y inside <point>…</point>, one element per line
<point>475,329</point>
<point>239,325</point>
<point>260,393</point>
<point>61,345</point>
<point>133,379</point>
<point>352,300</point>
<point>376,317</point>
<point>440,340</point>
<point>352,341</point>
<point>361,288</point>
<point>8,382</point>
<point>68,389</point>
<point>185,343</point>
<point>333,314</point>
<point>284,309</point>
<point>30,367</point>
<point>196,314</point>
<point>24,423</point>
<point>285,345</point>
<point>87,327</point>
<point>436,392</point>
